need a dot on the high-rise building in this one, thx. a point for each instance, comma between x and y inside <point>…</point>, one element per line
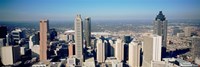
<point>3,31</point>
<point>112,48</point>
<point>88,31</point>
<point>2,42</point>
<point>79,38</point>
<point>71,49</point>
<point>151,50</point>
<point>31,41</point>
<point>134,54</point>
<point>9,39</point>
<point>109,48</point>
<point>160,28</point>
<point>17,35</point>
<point>175,30</point>
<point>68,36</point>
<point>10,54</point>
<point>119,50</point>
<point>188,31</point>
<point>195,47</point>
<point>52,34</point>
<point>37,37</point>
<point>126,50</point>
<point>44,27</point>
<point>34,40</point>
<point>157,46</point>
<point>101,51</point>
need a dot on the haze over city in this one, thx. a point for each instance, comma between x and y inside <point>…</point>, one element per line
<point>99,33</point>
<point>65,10</point>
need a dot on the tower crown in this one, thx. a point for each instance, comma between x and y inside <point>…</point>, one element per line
<point>160,16</point>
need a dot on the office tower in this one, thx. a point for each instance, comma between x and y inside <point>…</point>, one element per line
<point>100,51</point>
<point>71,49</point>
<point>9,39</point>
<point>126,50</point>
<point>195,47</point>
<point>34,40</point>
<point>119,50</point>
<point>31,41</point>
<point>2,42</point>
<point>53,34</point>
<point>111,48</point>
<point>17,35</point>
<point>160,28</point>
<point>79,37</point>
<point>188,31</point>
<point>157,45</point>
<point>134,54</point>
<point>37,37</point>
<point>93,42</point>
<point>175,31</point>
<point>88,31</point>
<point>3,31</point>
<point>68,36</point>
<point>10,54</point>
<point>152,50</point>
<point>107,48</point>
<point>44,27</point>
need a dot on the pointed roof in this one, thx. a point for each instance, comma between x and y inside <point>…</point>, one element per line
<point>160,16</point>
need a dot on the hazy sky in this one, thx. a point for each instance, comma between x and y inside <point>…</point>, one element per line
<point>65,10</point>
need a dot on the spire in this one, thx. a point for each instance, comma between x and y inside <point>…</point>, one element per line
<point>160,13</point>
<point>160,16</point>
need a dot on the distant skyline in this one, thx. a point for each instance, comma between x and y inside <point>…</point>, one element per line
<point>66,10</point>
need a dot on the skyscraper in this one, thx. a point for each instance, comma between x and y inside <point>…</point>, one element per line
<point>71,49</point>
<point>157,45</point>
<point>160,28</point>
<point>44,27</point>
<point>10,54</point>
<point>3,31</point>
<point>17,35</point>
<point>88,31</point>
<point>152,50</point>
<point>134,54</point>
<point>52,34</point>
<point>195,47</point>
<point>101,51</point>
<point>188,31</point>
<point>112,48</point>
<point>119,50</point>
<point>31,41</point>
<point>9,39</point>
<point>2,42</point>
<point>79,37</point>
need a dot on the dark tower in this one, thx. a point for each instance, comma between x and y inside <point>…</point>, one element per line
<point>160,28</point>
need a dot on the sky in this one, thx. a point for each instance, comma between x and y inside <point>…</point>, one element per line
<point>66,10</point>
